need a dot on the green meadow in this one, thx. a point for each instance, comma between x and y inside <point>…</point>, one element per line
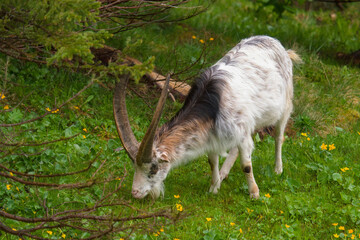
<point>316,197</point>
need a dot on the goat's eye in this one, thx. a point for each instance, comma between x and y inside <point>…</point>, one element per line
<point>153,169</point>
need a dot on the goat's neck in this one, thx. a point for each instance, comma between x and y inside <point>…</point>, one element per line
<point>185,142</point>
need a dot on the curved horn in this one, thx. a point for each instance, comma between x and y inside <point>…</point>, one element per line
<point>126,135</point>
<point>145,150</point>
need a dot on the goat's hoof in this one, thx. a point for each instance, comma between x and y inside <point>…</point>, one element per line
<point>214,188</point>
<point>278,170</point>
<point>255,195</point>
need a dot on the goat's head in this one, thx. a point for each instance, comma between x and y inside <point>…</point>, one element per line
<point>151,165</point>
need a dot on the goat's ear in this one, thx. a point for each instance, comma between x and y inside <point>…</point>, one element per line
<point>164,157</point>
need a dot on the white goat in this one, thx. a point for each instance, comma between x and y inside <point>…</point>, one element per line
<point>249,88</point>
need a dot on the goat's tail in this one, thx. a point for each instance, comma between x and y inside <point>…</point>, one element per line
<point>294,57</point>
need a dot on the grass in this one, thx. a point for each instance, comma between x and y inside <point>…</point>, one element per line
<point>318,191</point>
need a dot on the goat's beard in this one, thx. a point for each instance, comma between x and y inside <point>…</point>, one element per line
<point>157,191</point>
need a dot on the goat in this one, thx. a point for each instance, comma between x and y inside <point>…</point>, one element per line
<point>249,88</point>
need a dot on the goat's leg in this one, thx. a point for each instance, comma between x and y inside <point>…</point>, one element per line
<point>245,154</point>
<point>229,163</point>
<point>215,179</point>
<point>279,139</point>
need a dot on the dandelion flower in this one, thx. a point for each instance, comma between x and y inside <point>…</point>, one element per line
<point>77,108</point>
<point>267,195</point>
<point>232,224</point>
<point>8,186</point>
<point>13,229</point>
<point>353,236</point>
<point>308,139</point>
<point>304,134</point>
<point>211,39</point>
<point>6,107</point>
<point>350,231</point>
<point>341,228</point>
<point>48,109</point>
<point>64,236</point>
<point>208,219</point>
<point>179,207</point>
<point>193,37</point>
<point>17,189</point>
<point>281,212</point>
<point>2,96</point>
<point>287,226</point>
<point>240,230</point>
<point>201,41</point>
<point>49,232</point>
<point>161,230</point>
<point>155,234</point>
<point>176,239</point>
<point>84,129</point>
<point>323,146</point>
<point>336,235</point>
<point>176,196</point>
<point>11,174</point>
<point>359,134</point>
<point>331,147</point>
<point>335,224</point>
<point>84,136</point>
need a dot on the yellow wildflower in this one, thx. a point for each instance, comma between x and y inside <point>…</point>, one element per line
<point>48,109</point>
<point>176,239</point>
<point>232,224</point>
<point>55,111</point>
<point>359,134</point>
<point>155,234</point>
<point>193,37</point>
<point>353,236</point>
<point>281,212</point>
<point>121,239</point>
<point>211,39</point>
<point>323,146</point>
<point>8,186</point>
<point>84,129</point>
<point>304,134</point>
<point>240,230</point>
<point>84,136</point>
<point>267,195</point>
<point>161,230</point>
<point>344,169</point>
<point>64,236</point>
<point>176,196</point>
<point>287,226</point>
<point>308,139</point>
<point>11,174</point>
<point>341,228</point>
<point>201,41</point>
<point>17,189</point>
<point>118,178</point>
<point>77,108</point>
<point>335,224</point>
<point>13,229</point>
<point>49,232</point>
<point>6,107</point>
<point>179,207</point>
<point>208,219</point>
<point>331,147</point>
<point>336,235</point>
<point>350,231</point>
<point>2,96</point>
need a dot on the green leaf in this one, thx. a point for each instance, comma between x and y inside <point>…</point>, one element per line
<point>337,177</point>
<point>15,116</point>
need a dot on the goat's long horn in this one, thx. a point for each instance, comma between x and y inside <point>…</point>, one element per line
<point>126,135</point>
<point>145,151</point>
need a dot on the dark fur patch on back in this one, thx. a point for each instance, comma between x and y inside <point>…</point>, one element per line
<point>203,100</point>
